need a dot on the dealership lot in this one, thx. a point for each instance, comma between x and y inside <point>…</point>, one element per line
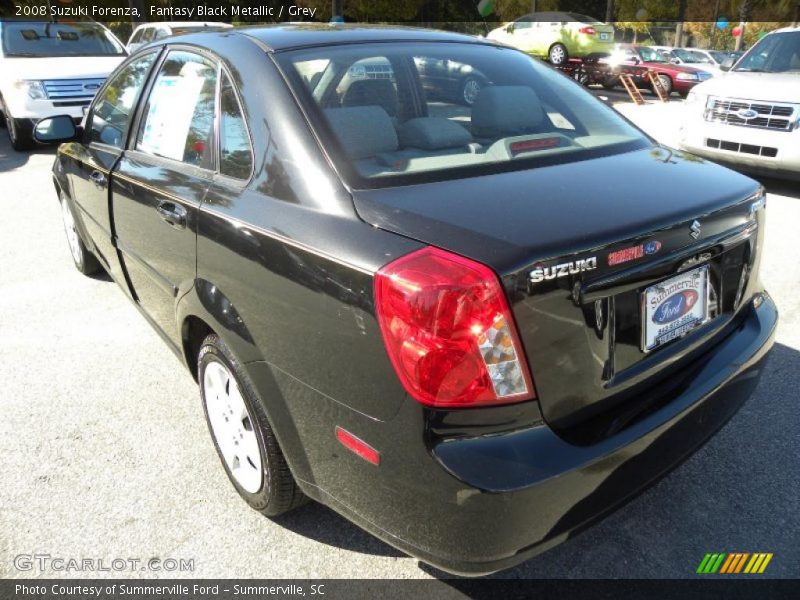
<point>106,453</point>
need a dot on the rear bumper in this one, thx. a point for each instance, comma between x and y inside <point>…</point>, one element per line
<point>475,504</point>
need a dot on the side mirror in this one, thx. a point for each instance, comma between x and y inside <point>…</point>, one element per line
<point>54,130</point>
<point>727,64</point>
<point>510,28</point>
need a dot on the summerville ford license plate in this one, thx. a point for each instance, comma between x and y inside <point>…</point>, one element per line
<point>674,307</point>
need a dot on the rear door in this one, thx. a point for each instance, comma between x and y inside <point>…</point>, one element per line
<point>161,180</point>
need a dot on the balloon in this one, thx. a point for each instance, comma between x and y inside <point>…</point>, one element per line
<point>641,14</point>
<point>737,31</point>
<point>722,23</point>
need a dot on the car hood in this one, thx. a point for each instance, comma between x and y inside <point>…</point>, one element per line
<point>770,87</point>
<point>73,67</point>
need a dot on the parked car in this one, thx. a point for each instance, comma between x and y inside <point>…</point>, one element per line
<point>426,324</point>
<point>556,35</point>
<point>683,56</point>
<point>714,58</point>
<point>51,68</point>
<point>148,32</point>
<point>751,117</point>
<point>673,78</point>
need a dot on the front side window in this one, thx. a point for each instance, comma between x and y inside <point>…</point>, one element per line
<point>776,53</point>
<point>113,107</point>
<point>651,55</point>
<point>235,156</point>
<point>40,39</point>
<point>178,119</point>
<point>486,108</point>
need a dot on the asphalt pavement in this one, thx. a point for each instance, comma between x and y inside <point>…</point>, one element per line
<point>105,452</point>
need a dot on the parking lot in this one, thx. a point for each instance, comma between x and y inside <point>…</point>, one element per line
<point>106,454</point>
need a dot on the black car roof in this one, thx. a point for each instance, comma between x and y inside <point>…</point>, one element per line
<point>288,36</point>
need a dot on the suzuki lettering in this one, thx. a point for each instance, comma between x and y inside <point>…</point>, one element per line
<point>564,269</point>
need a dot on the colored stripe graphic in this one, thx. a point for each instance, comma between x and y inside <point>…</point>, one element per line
<point>724,563</point>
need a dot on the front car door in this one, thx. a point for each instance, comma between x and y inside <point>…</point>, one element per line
<point>90,163</point>
<point>161,180</point>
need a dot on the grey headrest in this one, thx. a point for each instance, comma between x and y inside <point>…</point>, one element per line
<point>504,110</point>
<point>363,130</point>
<point>369,92</point>
<point>433,133</point>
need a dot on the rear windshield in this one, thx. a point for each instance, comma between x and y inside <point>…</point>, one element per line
<point>405,112</point>
<point>40,39</point>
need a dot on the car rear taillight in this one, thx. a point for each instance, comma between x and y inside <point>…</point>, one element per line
<point>449,332</point>
<point>587,30</point>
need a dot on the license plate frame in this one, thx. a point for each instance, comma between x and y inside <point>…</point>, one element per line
<point>688,292</point>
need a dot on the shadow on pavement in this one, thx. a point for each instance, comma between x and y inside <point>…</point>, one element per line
<point>11,159</point>
<point>323,525</point>
<point>783,187</point>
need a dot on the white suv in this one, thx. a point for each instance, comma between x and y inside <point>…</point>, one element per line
<point>750,116</point>
<point>49,69</point>
<point>151,32</point>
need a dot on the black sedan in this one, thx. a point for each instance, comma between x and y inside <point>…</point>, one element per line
<point>469,331</point>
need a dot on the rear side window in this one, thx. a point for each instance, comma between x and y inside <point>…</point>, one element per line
<point>178,119</point>
<point>235,156</point>
<point>137,35</point>
<point>113,108</point>
<point>484,108</point>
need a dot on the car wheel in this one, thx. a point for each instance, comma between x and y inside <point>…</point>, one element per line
<point>666,84</point>
<point>610,82</point>
<point>558,54</point>
<point>84,260</point>
<point>3,115</point>
<point>243,437</point>
<point>683,95</point>
<point>470,88</point>
<point>19,132</point>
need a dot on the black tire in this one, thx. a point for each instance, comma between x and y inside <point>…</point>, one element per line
<point>83,258</point>
<point>2,114</point>
<point>468,90</point>
<point>558,55</point>
<point>683,95</point>
<point>610,83</point>
<point>666,83</point>
<point>279,492</point>
<point>20,133</point>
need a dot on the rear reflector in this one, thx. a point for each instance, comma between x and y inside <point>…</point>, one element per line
<point>449,332</point>
<point>357,446</point>
<point>588,30</point>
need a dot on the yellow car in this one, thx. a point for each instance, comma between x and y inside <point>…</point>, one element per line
<point>558,36</point>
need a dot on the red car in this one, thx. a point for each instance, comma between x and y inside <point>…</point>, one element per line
<point>674,78</point>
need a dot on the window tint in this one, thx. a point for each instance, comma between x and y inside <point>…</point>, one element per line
<point>160,34</point>
<point>179,117</point>
<point>235,158</point>
<point>137,35</point>
<point>147,34</point>
<point>112,110</point>
<point>485,108</point>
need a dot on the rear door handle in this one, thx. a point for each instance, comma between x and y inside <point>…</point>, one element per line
<point>98,178</point>
<point>172,213</point>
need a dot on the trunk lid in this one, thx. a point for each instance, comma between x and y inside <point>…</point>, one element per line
<point>582,227</point>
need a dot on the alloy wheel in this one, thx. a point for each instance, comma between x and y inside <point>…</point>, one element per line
<point>71,230</point>
<point>232,426</point>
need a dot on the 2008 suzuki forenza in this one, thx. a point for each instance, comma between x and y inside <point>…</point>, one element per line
<point>467,327</point>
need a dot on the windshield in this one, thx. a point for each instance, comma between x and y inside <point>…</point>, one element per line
<point>650,54</point>
<point>411,112</point>
<point>720,57</point>
<point>40,39</point>
<point>776,53</point>
<point>686,55</point>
